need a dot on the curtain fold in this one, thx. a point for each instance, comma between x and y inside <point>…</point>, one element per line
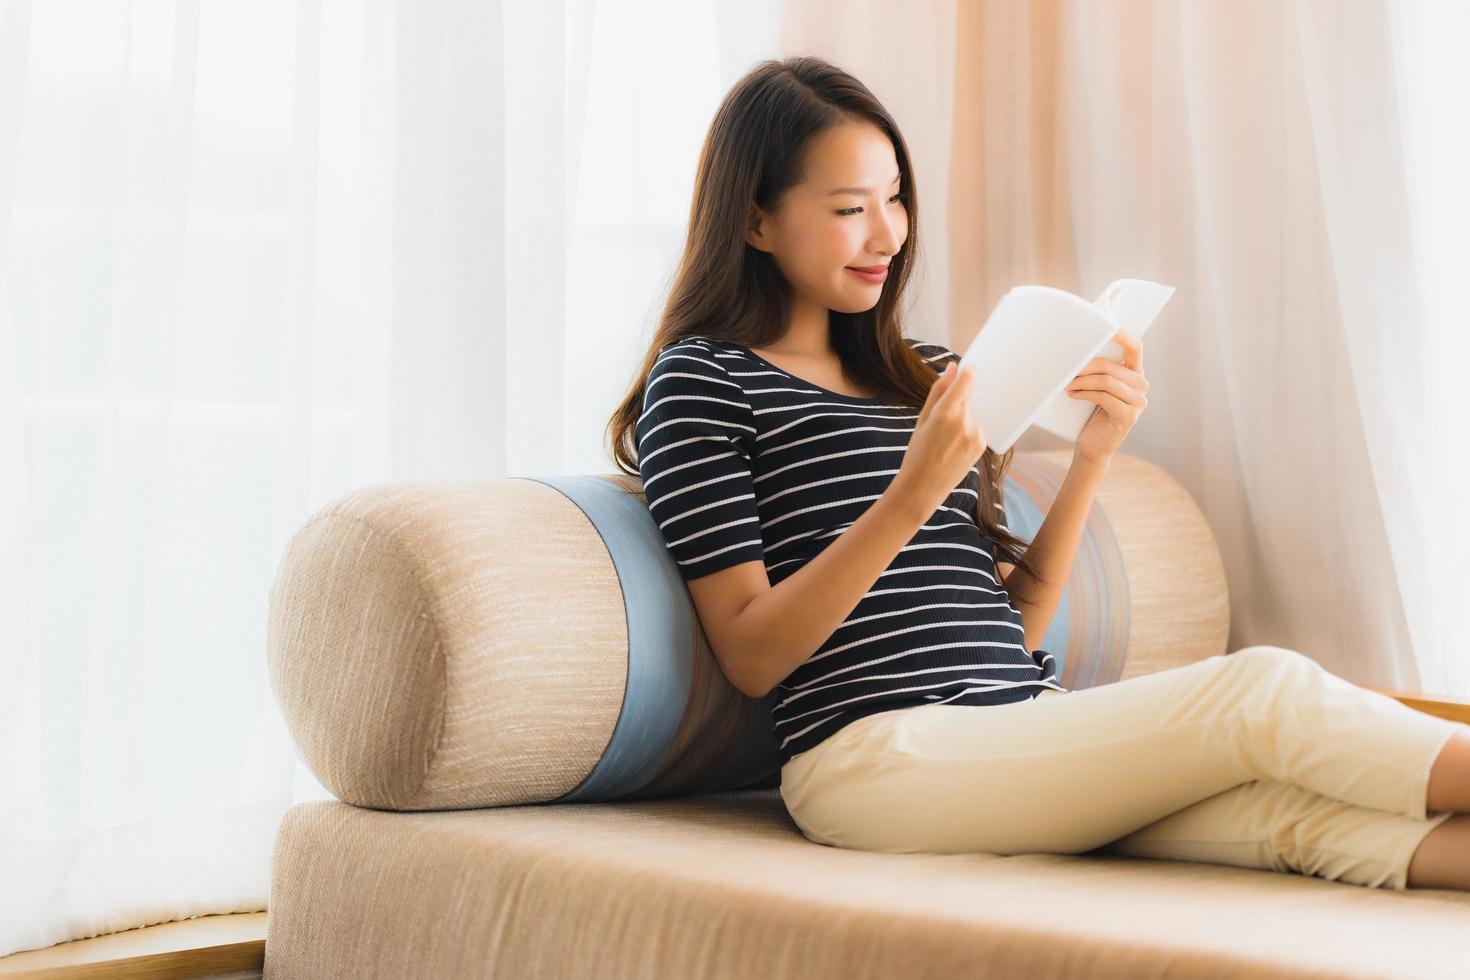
<point>907,56</point>
<point>253,256</point>
<point>1260,157</point>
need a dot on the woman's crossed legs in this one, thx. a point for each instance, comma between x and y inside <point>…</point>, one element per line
<point>1260,758</point>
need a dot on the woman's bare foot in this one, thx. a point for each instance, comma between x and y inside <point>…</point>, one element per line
<point>1442,860</point>
<point>1449,777</point>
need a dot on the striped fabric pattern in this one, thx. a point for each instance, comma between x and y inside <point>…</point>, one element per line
<point>743,461</point>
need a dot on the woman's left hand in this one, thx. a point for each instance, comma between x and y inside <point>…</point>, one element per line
<point>1118,390</point>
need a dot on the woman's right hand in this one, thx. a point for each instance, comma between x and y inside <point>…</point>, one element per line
<point>947,441</point>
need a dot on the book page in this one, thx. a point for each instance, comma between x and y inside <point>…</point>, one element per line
<point>1129,304</point>
<point>1035,341</point>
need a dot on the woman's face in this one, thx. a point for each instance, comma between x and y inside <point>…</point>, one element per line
<point>845,213</point>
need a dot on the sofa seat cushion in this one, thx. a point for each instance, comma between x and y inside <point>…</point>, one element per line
<point>726,885</point>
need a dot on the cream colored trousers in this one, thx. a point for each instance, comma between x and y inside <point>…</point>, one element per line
<point>1259,758</point>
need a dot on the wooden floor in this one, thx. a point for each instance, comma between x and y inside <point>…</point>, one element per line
<point>207,946</point>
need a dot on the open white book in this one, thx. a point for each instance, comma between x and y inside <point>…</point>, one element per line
<point>1036,340</point>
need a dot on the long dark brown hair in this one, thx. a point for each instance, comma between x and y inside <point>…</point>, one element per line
<point>724,289</point>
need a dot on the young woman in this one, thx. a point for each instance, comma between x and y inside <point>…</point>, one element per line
<point>837,517</point>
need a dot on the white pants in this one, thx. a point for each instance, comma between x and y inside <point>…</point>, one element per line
<point>1260,759</point>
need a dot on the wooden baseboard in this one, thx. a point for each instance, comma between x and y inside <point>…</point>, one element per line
<point>1431,704</point>
<point>206,946</point>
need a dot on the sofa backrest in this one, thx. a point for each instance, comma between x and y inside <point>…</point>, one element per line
<point>449,645</point>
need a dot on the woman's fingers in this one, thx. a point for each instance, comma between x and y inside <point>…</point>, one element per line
<point>1117,408</point>
<point>1132,349</point>
<point>959,391</point>
<point>958,400</point>
<point>1110,383</point>
<point>1101,366</point>
<point>935,390</point>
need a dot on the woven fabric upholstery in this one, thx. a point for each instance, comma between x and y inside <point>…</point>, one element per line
<point>724,886</point>
<point>449,645</point>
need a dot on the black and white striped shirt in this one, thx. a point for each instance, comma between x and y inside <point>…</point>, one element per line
<point>743,461</point>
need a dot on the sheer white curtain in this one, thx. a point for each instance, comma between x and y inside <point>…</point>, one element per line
<point>253,256</point>
<point>1296,171</point>
<point>1411,337</point>
<point>1342,370</point>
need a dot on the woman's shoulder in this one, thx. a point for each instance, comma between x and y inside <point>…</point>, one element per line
<point>688,390</point>
<point>691,352</point>
<point>710,348</point>
<point>694,366</point>
<point>710,360</point>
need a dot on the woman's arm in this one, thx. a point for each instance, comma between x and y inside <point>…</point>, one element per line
<point>1053,550</point>
<point>1120,393</point>
<point>760,633</point>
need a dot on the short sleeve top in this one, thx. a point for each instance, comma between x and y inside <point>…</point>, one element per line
<point>743,461</point>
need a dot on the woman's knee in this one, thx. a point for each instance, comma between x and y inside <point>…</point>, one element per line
<point>1269,655</point>
<point>1265,660</point>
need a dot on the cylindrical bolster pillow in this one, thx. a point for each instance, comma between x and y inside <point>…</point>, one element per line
<point>442,645</point>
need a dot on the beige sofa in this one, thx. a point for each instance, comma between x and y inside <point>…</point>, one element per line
<point>542,773</point>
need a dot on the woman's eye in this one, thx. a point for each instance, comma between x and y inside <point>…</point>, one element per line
<point>891,200</point>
